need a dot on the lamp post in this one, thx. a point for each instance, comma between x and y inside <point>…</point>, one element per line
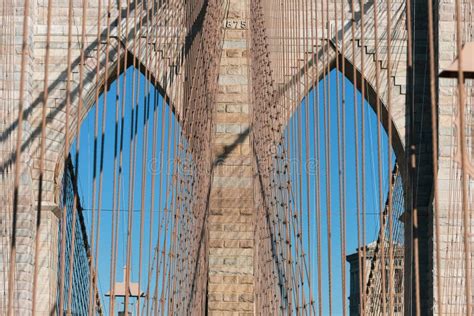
<point>120,290</point>
<point>467,66</point>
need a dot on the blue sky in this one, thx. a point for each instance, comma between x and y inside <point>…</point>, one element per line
<point>304,120</point>
<point>165,145</point>
<point>163,155</point>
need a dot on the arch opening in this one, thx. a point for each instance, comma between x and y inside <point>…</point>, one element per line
<point>331,177</point>
<point>128,159</point>
<point>354,76</point>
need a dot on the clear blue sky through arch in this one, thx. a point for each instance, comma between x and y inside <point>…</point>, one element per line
<point>147,100</point>
<point>303,128</point>
<point>147,103</point>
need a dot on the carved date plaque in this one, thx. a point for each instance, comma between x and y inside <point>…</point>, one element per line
<point>235,24</point>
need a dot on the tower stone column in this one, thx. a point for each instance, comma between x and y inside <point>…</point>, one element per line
<point>231,218</point>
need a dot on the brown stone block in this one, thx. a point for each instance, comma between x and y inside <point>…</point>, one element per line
<point>232,79</point>
<point>231,244</point>
<point>230,235</point>
<point>230,297</point>
<point>249,298</point>
<point>230,279</point>
<point>231,288</point>
<point>231,117</point>
<point>232,203</point>
<point>215,297</point>
<point>216,212</point>
<point>227,212</point>
<point>216,243</point>
<point>230,261</point>
<point>237,193</point>
<point>235,161</point>
<point>246,228</point>
<point>246,219</point>
<point>225,61</point>
<point>224,219</point>
<point>235,34</point>
<point>233,53</point>
<point>232,98</point>
<point>247,211</point>
<point>246,244</point>
<point>215,311</point>
<point>233,89</point>
<point>229,139</point>
<point>231,228</point>
<point>221,107</point>
<point>215,279</point>
<point>232,182</point>
<point>216,227</point>
<point>245,149</point>
<point>223,170</point>
<point>225,150</point>
<point>230,306</point>
<point>246,279</point>
<point>215,262</point>
<point>233,69</point>
<point>232,252</point>
<point>223,270</point>
<point>234,108</point>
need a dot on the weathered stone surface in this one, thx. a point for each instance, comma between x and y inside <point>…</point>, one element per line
<point>232,186</point>
<point>232,203</point>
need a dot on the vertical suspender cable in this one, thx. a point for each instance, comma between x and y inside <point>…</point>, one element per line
<point>362,108</point>
<point>118,136</point>
<point>146,96</point>
<point>42,155</point>
<point>16,180</point>
<point>379,156</point>
<point>65,154</point>
<point>411,167</point>
<point>342,193</point>
<point>327,109</point>
<point>92,277</point>
<point>78,136</point>
<point>356,127</point>
<point>464,175</point>
<point>391,285</point>
<point>434,135</point>
<point>132,152</point>
<point>340,135</point>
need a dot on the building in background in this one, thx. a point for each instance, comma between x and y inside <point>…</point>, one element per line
<point>373,279</point>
